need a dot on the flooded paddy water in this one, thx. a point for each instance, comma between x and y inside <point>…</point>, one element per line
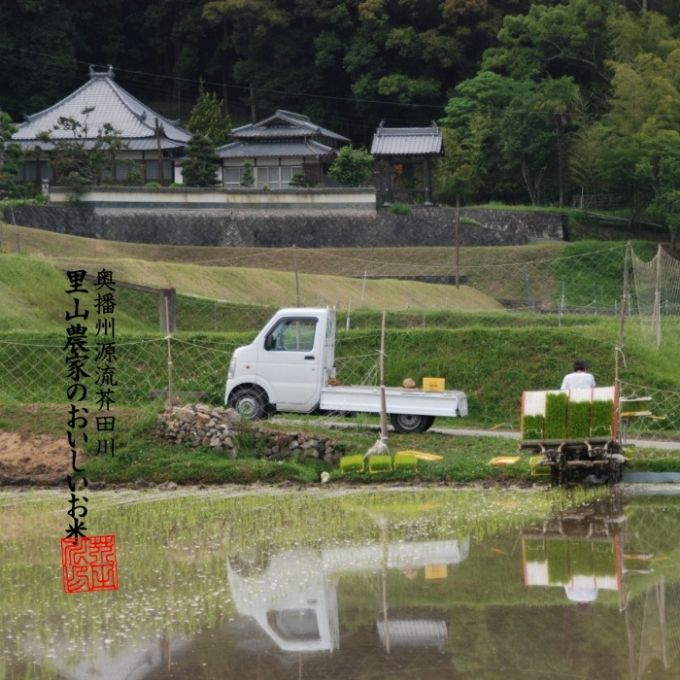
<point>427,583</point>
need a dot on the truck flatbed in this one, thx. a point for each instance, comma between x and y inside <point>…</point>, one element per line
<point>399,400</point>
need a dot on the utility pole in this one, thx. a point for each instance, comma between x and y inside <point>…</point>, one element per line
<point>161,172</point>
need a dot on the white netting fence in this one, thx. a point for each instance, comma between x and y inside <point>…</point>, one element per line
<point>657,292</point>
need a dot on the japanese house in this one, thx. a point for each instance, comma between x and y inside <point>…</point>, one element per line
<point>278,148</point>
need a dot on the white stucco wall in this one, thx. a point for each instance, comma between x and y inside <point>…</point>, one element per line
<point>177,197</point>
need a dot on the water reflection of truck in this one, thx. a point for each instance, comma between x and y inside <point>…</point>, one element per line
<point>294,600</point>
<point>290,366</point>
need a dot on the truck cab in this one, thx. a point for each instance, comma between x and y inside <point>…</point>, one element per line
<point>286,366</point>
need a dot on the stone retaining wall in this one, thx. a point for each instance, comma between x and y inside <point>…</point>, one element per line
<point>423,226</point>
<point>219,428</point>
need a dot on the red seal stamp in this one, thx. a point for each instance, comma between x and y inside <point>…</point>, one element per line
<point>88,563</point>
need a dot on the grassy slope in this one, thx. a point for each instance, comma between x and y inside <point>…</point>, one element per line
<point>32,289</point>
<point>535,271</point>
<point>341,261</point>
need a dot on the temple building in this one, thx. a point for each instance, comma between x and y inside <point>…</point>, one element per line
<point>151,142</point>
<point>405,158</point>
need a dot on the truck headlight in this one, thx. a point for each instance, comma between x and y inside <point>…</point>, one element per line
<point>232,366</point>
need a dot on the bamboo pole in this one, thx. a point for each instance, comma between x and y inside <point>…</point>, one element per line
<point>168,337</point>
<point>657,299</point>
<point>457,240</point>
<point>383,404</point>
<point>297,280</point>
<point>622,317</point>
<point>385,556</point>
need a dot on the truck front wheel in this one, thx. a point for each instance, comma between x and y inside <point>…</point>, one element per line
<point>408,424</point>
<point>250,402</point>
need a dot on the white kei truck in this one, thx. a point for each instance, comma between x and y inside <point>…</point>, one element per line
<point>290,366</point>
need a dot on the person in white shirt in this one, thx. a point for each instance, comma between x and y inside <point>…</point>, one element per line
<point>580,378</point>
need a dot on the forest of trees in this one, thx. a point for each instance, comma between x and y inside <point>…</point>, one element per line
<point>540,100</point>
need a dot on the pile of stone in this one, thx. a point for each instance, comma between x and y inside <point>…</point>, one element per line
<point>298,446</point>
<point>201,425</point>
<point>218,428</point>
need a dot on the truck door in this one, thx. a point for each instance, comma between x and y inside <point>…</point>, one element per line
<point>290,360</point>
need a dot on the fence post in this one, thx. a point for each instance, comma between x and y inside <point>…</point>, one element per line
<point>168,310</point>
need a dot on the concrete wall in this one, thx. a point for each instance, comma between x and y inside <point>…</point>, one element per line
<point>283,228</point>
<point>193,198</point>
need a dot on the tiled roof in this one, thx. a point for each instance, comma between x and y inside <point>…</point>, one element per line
<point>308,149</point>
<point>147,144</point>
<point>108,103</point>
<point>415,141</point>
<point>284,124</point>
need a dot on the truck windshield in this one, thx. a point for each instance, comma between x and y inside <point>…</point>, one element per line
<point>294,624</point>
<point>292,335</point>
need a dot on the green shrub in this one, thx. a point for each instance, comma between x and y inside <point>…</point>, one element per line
<point>532,427</point>
<point>400,209</point>
<point>556,416</point>
<point>299,180</point>
<point>405,461</point>
<point>352,463</point>
<point>579,420</point>
<point>351,167</point>
<point>380,464</point>
<point>153,185</point>
<point>247,176</point>
<point>601,418</point>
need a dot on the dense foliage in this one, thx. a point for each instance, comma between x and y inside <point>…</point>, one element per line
<point>10,155</point>
<point>544,100</point>
<point>352,167</point>
<point>200,169</point>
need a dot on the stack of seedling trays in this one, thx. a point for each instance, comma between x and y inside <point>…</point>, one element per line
<point>575,431</point>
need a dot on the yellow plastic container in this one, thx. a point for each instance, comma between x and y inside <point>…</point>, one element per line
<point>434,384</point>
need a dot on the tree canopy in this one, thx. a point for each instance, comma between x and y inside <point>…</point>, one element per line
<point>544,99</point>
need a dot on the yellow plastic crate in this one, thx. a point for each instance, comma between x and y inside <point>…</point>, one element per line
<point>435,572</point>
<point>434,384</point>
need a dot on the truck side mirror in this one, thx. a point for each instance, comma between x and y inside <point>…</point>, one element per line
<point>269,342</point>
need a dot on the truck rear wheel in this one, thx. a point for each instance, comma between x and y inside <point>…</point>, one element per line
<point>250,402</point>
<point>408,424</point>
